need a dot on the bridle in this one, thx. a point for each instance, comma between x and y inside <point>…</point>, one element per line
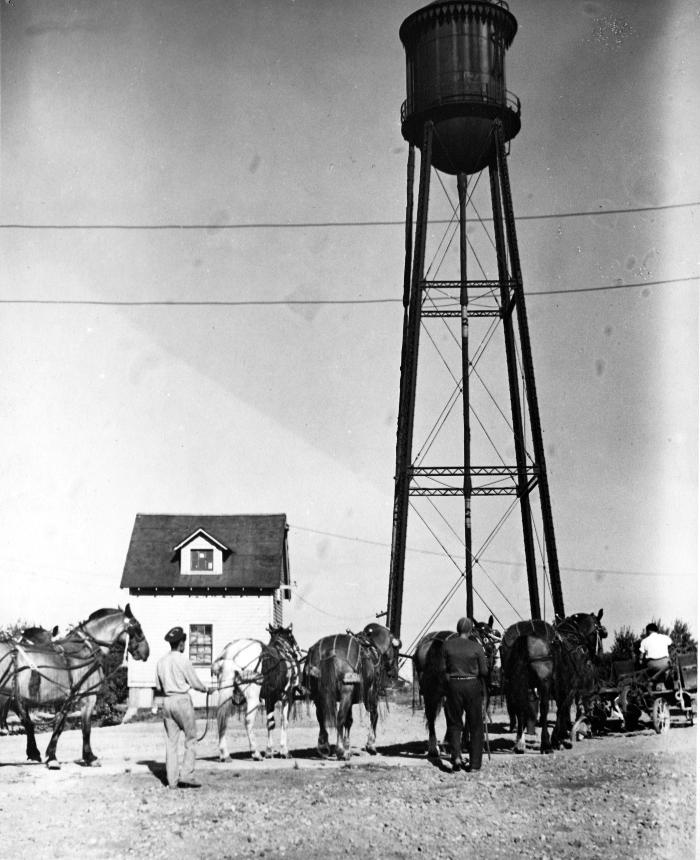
<point>132,633</point>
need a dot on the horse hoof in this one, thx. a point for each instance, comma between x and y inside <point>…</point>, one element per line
<point>519,752</point>
<point>371,750</point>
<point>548,751</point>
<point>36,758</point>
<point>52,764</point>
<point>323,751</point>
<point>566,744</point>
<point>286,754</point>
<point>93,763</point>
<point>257,757</point>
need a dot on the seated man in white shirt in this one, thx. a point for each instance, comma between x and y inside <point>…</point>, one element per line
<point>653,650</point>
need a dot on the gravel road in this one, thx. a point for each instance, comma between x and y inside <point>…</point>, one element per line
<point>618,796</point>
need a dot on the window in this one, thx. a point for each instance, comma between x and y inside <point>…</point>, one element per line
<point>201,644</point>
<point>201,559</point>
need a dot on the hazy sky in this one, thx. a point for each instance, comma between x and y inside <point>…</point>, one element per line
<point>217,116</point>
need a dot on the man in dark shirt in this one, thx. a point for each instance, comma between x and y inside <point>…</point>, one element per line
<point>464,664</point>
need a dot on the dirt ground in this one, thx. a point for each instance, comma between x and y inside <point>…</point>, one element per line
<point>617,796</point>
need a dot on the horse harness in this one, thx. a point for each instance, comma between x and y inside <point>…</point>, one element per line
<point>365,646</point>
<point>255,675</point>
<point>95,660</point>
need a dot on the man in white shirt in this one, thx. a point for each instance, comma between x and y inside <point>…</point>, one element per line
<point>653,650</point>
<point>176,676</point>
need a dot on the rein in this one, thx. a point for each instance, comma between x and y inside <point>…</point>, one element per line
<point>94,662</point>
<point>287,654</point>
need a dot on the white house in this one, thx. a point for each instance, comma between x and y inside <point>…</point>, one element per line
<point>219,577</point>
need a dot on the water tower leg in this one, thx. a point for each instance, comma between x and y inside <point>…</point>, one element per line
<point>507,308</point>
<point>407,385</point>
<point>464,320</point>
<point>518,300</point>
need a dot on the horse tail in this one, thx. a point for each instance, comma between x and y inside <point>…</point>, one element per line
<point>515,675</point>
<point>223,712</point>
<point>275,676</point>
<point>328,688</point>
<point>433,681</point>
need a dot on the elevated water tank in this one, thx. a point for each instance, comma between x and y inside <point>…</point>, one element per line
<point>455,76</point>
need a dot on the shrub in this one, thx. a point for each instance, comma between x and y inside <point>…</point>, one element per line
<point>115,690</point>
<point>623,647</point>
<point>682,637</point>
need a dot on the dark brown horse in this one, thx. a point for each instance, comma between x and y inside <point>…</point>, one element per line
<point>344,670</point>
<point>29,636</point>
<point>68,672</point>
<point>432,684</point>
<point>555,661</point>
<point>578,651</point>
<point>249,671</point>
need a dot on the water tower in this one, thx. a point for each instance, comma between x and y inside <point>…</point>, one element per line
<point>461,118</point>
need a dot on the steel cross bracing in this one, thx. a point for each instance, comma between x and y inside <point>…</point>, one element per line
<point>500,487</point>
<point>450,298</point>
<point>441,287</point>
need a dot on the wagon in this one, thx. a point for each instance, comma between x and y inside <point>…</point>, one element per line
<point>665,697</point>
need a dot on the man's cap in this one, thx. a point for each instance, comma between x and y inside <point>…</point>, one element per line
<point>175,635</point>
<point>465,625</point>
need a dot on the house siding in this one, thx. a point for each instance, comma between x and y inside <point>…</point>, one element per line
<point>230,617</point>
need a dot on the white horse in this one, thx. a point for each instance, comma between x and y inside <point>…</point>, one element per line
<point>249,671</point>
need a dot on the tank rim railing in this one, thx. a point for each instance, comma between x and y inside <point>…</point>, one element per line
<point>503,4</point>
<point>504,99</point>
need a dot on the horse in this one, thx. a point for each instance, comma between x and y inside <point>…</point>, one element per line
<point>343,670</point>
<point>254,671</point>
<point>428,671</point>
<point>578,651</point>
<point>65,672</point>
<point>29,636</point>
<point>555,661</point>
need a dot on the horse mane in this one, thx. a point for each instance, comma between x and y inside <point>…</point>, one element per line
<point>102,613</point>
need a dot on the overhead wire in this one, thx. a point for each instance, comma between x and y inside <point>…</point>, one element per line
<point>325,302</point>
<point>278,225</point>
<point>594,570</point>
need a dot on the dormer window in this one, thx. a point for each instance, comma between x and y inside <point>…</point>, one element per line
<point>201,555</point>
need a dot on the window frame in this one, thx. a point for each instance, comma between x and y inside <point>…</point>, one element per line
<point>198,650</point>
<point>202,552</point>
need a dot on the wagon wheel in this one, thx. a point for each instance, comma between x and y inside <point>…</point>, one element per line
<point>630,709</point>
<point>661,716</point>
<point>686,702</point>
<point>581,729</point>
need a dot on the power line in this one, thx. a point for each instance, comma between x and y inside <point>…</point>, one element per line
<point>594,570</point>
<point>284,225</point>
<point>206,303</point>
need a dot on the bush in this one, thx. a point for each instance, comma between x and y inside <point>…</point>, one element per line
<point>115,690</point>
<point>624,642</point>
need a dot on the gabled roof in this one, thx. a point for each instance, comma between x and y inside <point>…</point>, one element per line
<point>255,558</point>
<point>201,533</point>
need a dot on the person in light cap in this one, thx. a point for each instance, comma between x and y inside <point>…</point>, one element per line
<point>464,665</point>
<point>176,677</point>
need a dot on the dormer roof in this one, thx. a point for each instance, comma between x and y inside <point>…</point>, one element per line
<point>201,533</point>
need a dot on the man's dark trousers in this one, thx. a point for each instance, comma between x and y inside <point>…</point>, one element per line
<point>465,697</point>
